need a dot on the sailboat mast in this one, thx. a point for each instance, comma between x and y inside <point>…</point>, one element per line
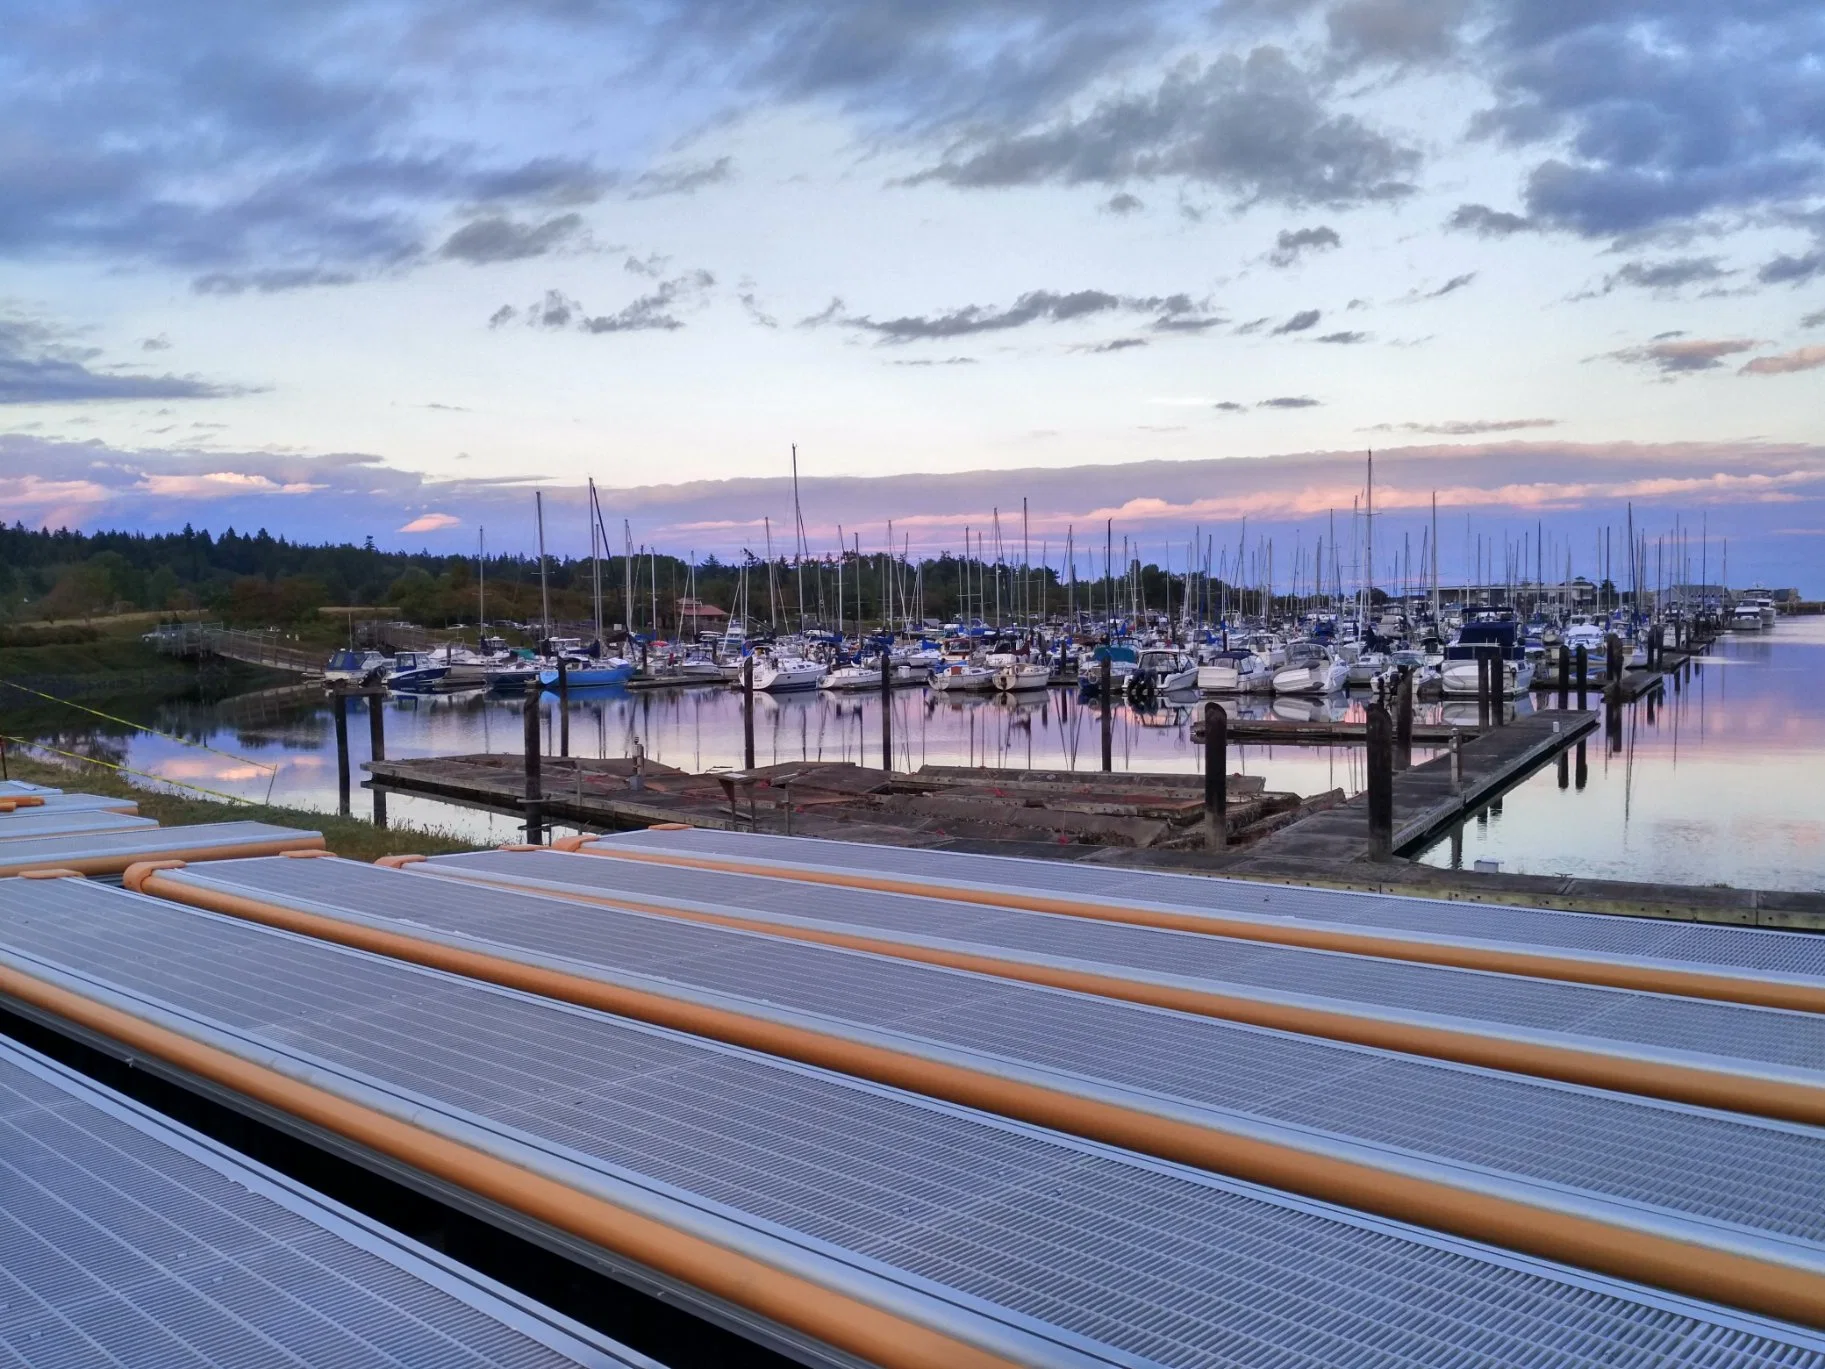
<point>481,584</point>
<point>1369,541</point>
<point>538,504</point>
<point>595,559</point>
<point>798,546</point>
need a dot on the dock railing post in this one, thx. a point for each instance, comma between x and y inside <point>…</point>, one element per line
<point>534,800</point>
<point>1216,776</point>
<point>1584,675</point>
<point>1403,720</point>
<point>377,749</point>
<point>1565,674</point>
<point>1108,736</point>
<point>747,714</point>
<point>563,707</point>
<point>339,702</point>
<point>886,711</point>
<point>1380,734</point>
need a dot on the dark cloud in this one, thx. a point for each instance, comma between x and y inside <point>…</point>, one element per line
<point>498,238</point>
<point>1175,312</point>
<point>1814,319</point>
<point>1396,31</point>
<point>1665,113</point>
<point>269,282</point>
<point>1290,246</point>
<point>654,310</point>
<point>1229,406</point>
<point>503,316</point>
<point>1289,402</point>
<point>1679,355</point>
<point>1489,223</point>
<point>1254,325</point>
<point>1450,287</point>
<point>1299,322</point>
<point>684,179</point>
<point>750,304</point>
<point>1255,126</point>
<point>1123,203</point>
<point>1665,276</point>
<point>39,366</point>
<point>1345,338</point>
<point>1468,427</point>
<point>1786,270</point>
<point>161,343</point>
<point>1120,344</point>
<point>931,361</point>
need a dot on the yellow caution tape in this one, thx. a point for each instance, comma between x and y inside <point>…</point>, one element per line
<point>127,722</point>
<point>127,770</point>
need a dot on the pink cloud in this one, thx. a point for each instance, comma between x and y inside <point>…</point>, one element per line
<point>1803,359</point>
<point>432,522</point>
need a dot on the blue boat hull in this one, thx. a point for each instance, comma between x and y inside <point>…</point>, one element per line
<point>586,676</point>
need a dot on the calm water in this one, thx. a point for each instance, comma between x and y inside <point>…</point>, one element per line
<point>1723,784</point>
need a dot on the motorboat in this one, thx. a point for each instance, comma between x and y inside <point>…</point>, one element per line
<point>1424,673</point>
<point>1498,637</point>
<point>1165,669</point>
<point>867,675</point>
<point>1236,671</point>
<point>511,672</point>
<point>1270,649</point>
<point>417,671</point>
<point>1746,617</point>
<point>588,672</point>
<point>963,677</point>
<point>1018,676</point>
<point>349,666</point>
<point>784,674</point>
<point>1310,669</point>
<point>1367,667</point>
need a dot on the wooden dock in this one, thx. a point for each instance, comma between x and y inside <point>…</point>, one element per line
<point>853,803</point>
<point>1426,798</point>
<point>1286,732</point>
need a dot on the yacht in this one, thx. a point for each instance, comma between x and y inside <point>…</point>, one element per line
<point>1235,672</point>
<point>1310,669</point>
<point>963,677</point>
<point>1746,617</point>
<point>355,667</point>
<point>588,672</point>
<point>1167,668</point>
<point>1499,637</point>
<point>415,671</point>
<point>783,674</point>
<point>1018,676</point>
<point>1367,667</point>
<point>867,675</point>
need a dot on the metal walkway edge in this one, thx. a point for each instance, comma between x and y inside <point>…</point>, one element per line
<point>901,1230</point>
<point>126,1238</point>
<point>110,853</point>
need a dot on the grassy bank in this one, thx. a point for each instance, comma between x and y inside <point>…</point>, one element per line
<point>345,836</point>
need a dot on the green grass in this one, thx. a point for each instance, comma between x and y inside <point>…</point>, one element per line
<point>349,837</point>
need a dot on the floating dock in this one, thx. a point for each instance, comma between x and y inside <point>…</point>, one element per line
<point>846,1219</point>
<point>131,1240</point>
<point>1270,1106</point>
<point>111,852</point>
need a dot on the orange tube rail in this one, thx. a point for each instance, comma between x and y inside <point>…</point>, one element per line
<point>1743,1281</point>
<point>785,1298</point>
<point>1533,964</point>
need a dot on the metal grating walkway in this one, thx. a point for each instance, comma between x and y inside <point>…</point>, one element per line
<point>64,803</point>
<point>113,852</point>
<point>1711,1175</point>
<point>28,823</point>
<point>1725,1036</point>
<point>1055,1251</point>
<point>1689,946</point>
<point>126,1239</point>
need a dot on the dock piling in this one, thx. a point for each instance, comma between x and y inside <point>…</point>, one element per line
<point>1482,691</point>
<point>1457,761</point>
<point>535,795</point>
<point>563,707</point>
<point>1216,776</point>
<point>886,711</point>
<point>1403,720</point>
<point>747,714</point>
<point>377,748</point>
<point>1612,660</point>
<point>1581,772</point>
<point>339,703</point>
<point>1108,736</point>
<point>1381,783</point>
<point>1565,674</point>
<point>1584,672</point>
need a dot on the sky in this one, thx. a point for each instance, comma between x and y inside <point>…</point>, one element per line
<point>383,269</point>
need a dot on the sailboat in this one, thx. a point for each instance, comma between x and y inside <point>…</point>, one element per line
<point>585,669</point>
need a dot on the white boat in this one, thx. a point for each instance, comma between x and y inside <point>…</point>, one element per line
<point>1746,617</point>
<point>1310,669</point>
<point>1270,649</point>
<point>354,667</point>
<point>867,675</point>
<point>1235,672</point>
<point>516,673</point>
<point>963,677</point>
<point>782,674</point>
<point>1166,669</point>
<point>1498,637</point>
<point>417,670</point>
<point>1367,666</point>
<point>1018,676</point>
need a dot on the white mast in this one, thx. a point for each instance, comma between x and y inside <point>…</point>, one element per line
<point>538,503</point>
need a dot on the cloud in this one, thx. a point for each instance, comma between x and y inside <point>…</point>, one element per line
<point>932,361</point>
<point>221,485</point>
<point>432,522</point>
<point>1120,344</point>
<point>1469,427</point>
<point>38,365</point>
<point>1289,402</point>
<point>496,238</point>
<point>1123,204</point>
<point>751,306</point>
<point>271,281</point>
<point>1344,338</point>
<point>1488,223</point>
<point>1679,355</point>
<point>653,311</point>
<point>686,178</point>
<point>1451,286</point>
<point>1255,126</point>
<point>1814,319</point>
<point>1175,312</point>
<point>1290,246</point>
<point>1664,277</point>
<point>1802,359</point>
<point>1786,270</point>
<point>1229,406</point>
<point>161,343</point>
<point>1299,322</point>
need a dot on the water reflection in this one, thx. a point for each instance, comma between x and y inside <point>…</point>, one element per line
<point>1715,780</point>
